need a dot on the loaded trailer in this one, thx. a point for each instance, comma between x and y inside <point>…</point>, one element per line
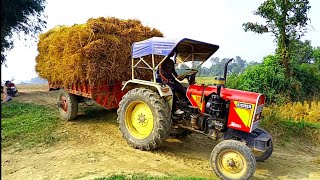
<point>145,107</point>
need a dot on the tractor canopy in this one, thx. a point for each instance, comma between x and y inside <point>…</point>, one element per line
<point>184,49</point>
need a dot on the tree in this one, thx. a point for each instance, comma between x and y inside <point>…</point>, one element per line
<point>301,52</point>
<point>316,56</point>
<point>20,16</point>
<point>286,20</point>
<point>237,66</point>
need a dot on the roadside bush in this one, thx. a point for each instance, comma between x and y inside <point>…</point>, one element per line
<point>267,78</point>
<point>309,77</point>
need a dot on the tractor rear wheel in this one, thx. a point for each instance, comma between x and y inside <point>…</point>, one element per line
<point>231,160</point>
<point>68,105</point>
<point>144,118</point>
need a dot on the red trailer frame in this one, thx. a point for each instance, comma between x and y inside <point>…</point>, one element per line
<point>108,93</point>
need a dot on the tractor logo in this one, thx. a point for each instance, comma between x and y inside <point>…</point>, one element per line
<point>244,105</point>
<point>233,124</point>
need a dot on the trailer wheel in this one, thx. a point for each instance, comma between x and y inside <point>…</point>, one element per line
<point>266,154</point>
<point>144,119</point>
<point>232,160</point>
<point>68,105</point>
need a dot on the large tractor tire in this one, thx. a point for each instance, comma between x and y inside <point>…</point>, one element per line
<point>260,157</point>
<point>68,105</point>
<point>144,119</point>
<point>232,160</point>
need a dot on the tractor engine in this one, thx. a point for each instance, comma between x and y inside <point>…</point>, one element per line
<point>217,108</point>
<point>222,109</point>
<point>215,112</point>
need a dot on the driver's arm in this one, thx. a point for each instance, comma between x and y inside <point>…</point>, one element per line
<point>163,74</point>
<point>175,74</point>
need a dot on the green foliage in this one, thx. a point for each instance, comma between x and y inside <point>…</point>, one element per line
<point>288,14</point>
<point>267,78</point>
<point>25,124</point>
<point>316,56</point>
<point>286,20</point>
<point>301,52</point>
<point>20,16</point>
<point>309,77</point>
<point>237,66</point>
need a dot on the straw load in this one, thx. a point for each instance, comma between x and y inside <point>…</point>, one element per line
<point>94,52</point>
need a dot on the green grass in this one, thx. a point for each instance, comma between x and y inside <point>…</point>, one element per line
<point>288,130</point>
<point>26,125</point>
<point>146,177</point>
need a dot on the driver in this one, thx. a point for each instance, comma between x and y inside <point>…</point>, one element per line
<point>168,74</point>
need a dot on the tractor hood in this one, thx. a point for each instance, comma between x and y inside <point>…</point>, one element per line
<point>185,49</point>
<point>244,108</point>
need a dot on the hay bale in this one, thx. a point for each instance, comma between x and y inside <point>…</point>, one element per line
<point>94,52</point>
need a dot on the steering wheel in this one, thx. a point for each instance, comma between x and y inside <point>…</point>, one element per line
<point>188,73</point>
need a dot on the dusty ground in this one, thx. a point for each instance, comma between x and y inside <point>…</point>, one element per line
<point>94,148</point>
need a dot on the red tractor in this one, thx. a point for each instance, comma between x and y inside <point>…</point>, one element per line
<point>145,107</point>
<point>227,115</point>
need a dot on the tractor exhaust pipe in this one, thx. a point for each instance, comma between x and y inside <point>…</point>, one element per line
<point>226,69</point>
<point>221,81</point>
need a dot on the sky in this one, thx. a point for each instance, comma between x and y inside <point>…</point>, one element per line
<point>212,21</point>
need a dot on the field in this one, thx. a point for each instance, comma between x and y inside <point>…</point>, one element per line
<point>36,144</point>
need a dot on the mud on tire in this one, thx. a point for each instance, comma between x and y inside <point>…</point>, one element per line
<point>68,105</point>
<point>232,160</point>
<point>160,116</point>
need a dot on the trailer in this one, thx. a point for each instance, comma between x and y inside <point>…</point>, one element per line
<point>107,94</point>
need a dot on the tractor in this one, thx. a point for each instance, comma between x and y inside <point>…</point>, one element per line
<point>228,116</point>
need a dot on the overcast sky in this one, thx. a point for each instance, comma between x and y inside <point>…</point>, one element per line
<point>217,22</point>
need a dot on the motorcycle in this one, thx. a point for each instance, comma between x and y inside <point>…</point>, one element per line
<point>11,88</point>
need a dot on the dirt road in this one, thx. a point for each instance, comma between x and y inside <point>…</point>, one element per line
<point>95,148</point>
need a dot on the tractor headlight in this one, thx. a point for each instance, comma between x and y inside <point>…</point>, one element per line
<point>257,117</point>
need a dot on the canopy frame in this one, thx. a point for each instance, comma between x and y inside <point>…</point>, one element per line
<point>180,50</point>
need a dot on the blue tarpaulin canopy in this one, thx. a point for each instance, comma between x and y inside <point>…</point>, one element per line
<point>200,51</point>
<point>155,45</point>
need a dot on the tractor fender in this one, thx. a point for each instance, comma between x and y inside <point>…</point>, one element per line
<point>257,140</point>
<point>163,90</point>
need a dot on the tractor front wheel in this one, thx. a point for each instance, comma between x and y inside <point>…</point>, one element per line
<point>231,160</point>
<point>144,118</point>
<point>68,105</point>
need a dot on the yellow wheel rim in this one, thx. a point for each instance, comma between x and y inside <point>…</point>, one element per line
<point>139,119</point>
<point>232,164</point>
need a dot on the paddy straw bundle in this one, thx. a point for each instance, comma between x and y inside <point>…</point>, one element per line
<point>94,52</point>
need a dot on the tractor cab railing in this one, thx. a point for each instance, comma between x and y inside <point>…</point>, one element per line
<point>150,54</point>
